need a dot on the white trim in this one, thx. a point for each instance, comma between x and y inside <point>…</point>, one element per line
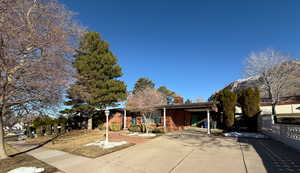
<point>208,122</point>
<point>165,124</point>
<point>125,119</point>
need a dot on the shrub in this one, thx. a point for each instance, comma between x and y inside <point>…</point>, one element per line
<point>55,128</point>
<point>143,128</point>
<point>49,129</point>
<point>249,100</point>
<point>135,128</point>
<point>158,130</point>
<point>227,102</point>
<point>101,126</point>
<point>115,126</point>
<point>39,131</point>
<point>63,128</point>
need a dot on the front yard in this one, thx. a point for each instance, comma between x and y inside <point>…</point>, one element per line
<point>74,142</point>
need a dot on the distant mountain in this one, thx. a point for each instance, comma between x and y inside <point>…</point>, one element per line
<point>241,84</point>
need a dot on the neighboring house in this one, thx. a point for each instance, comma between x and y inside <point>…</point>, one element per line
<point>287,111</point>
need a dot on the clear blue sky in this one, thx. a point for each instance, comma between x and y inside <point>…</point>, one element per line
<point>193,47</point>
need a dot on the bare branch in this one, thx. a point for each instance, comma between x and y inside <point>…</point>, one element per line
<point>275,71</point>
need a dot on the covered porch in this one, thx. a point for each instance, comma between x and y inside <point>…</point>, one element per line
<point>181,116</point>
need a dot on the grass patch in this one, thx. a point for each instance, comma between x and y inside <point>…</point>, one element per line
<point>95,151</point>
<point>22,160</point>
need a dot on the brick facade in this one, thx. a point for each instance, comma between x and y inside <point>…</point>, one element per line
<point>118,117</point>
<point>176,119</point>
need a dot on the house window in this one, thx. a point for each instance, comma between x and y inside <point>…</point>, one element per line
<point>155,118</point>
<point>133,119</point>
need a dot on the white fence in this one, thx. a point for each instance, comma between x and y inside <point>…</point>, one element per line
<point>286,133</point>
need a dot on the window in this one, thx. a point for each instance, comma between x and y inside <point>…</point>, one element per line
<point>133,119</point>
<point>154,118</point>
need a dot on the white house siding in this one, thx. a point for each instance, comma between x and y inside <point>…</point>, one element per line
<point>287,109</point>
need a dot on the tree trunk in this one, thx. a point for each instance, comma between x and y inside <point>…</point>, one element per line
<point>146,123</point>
<point>274,118</point>
<point>90,123</point>
<point>147,130</point>
<point>3,154</point>
<point>273,109</point>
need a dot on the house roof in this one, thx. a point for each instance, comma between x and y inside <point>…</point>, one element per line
<point>203,105</point>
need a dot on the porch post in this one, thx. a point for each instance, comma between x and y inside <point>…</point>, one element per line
<point>165,124</point>
<point>125,120</point>
<point>208,122</point>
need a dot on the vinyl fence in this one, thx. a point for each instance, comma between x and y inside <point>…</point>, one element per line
<point>286,133</point>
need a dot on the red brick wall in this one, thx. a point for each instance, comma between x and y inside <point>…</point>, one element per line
<point>115,118</point>
<point>177,119</point>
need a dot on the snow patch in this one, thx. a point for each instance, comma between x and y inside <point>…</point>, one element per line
<point>247,135</point>
<point>142,134</point>
<point>133,134</point>
<point>11,134</point>
<point>105,145</point>
<point>147,135</point>
<point>27,170</point>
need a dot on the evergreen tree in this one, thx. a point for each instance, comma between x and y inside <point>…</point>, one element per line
<point>178,100</point>
<point>227,102</point>
<point>142,84</point>
<point>249,100</point>
<point>188,101</point>
<point>170,95</point>
<point>97,85</point>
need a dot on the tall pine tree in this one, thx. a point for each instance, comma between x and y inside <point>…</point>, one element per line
<point>170,95</point>
<point>142,84</point>
<point>97,86</point>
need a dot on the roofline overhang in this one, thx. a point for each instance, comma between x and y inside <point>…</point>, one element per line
<point>203,106</point>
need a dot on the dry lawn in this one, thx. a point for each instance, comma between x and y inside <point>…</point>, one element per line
<point>22,160</point>
<point>74,141</point>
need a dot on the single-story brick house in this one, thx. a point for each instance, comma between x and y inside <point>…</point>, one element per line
<point>171,117</point>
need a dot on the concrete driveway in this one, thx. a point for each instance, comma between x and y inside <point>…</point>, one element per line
<point>180,152</point>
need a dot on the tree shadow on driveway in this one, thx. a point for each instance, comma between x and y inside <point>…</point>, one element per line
<point>276,156</point>
<point>202,141</point>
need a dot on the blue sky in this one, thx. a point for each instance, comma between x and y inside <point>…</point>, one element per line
<point>193,47</point>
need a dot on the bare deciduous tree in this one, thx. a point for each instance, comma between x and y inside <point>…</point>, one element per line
<point>145,102</point>
<point>37,38</point>
<point>274,70</point>
<point>199,99</point>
